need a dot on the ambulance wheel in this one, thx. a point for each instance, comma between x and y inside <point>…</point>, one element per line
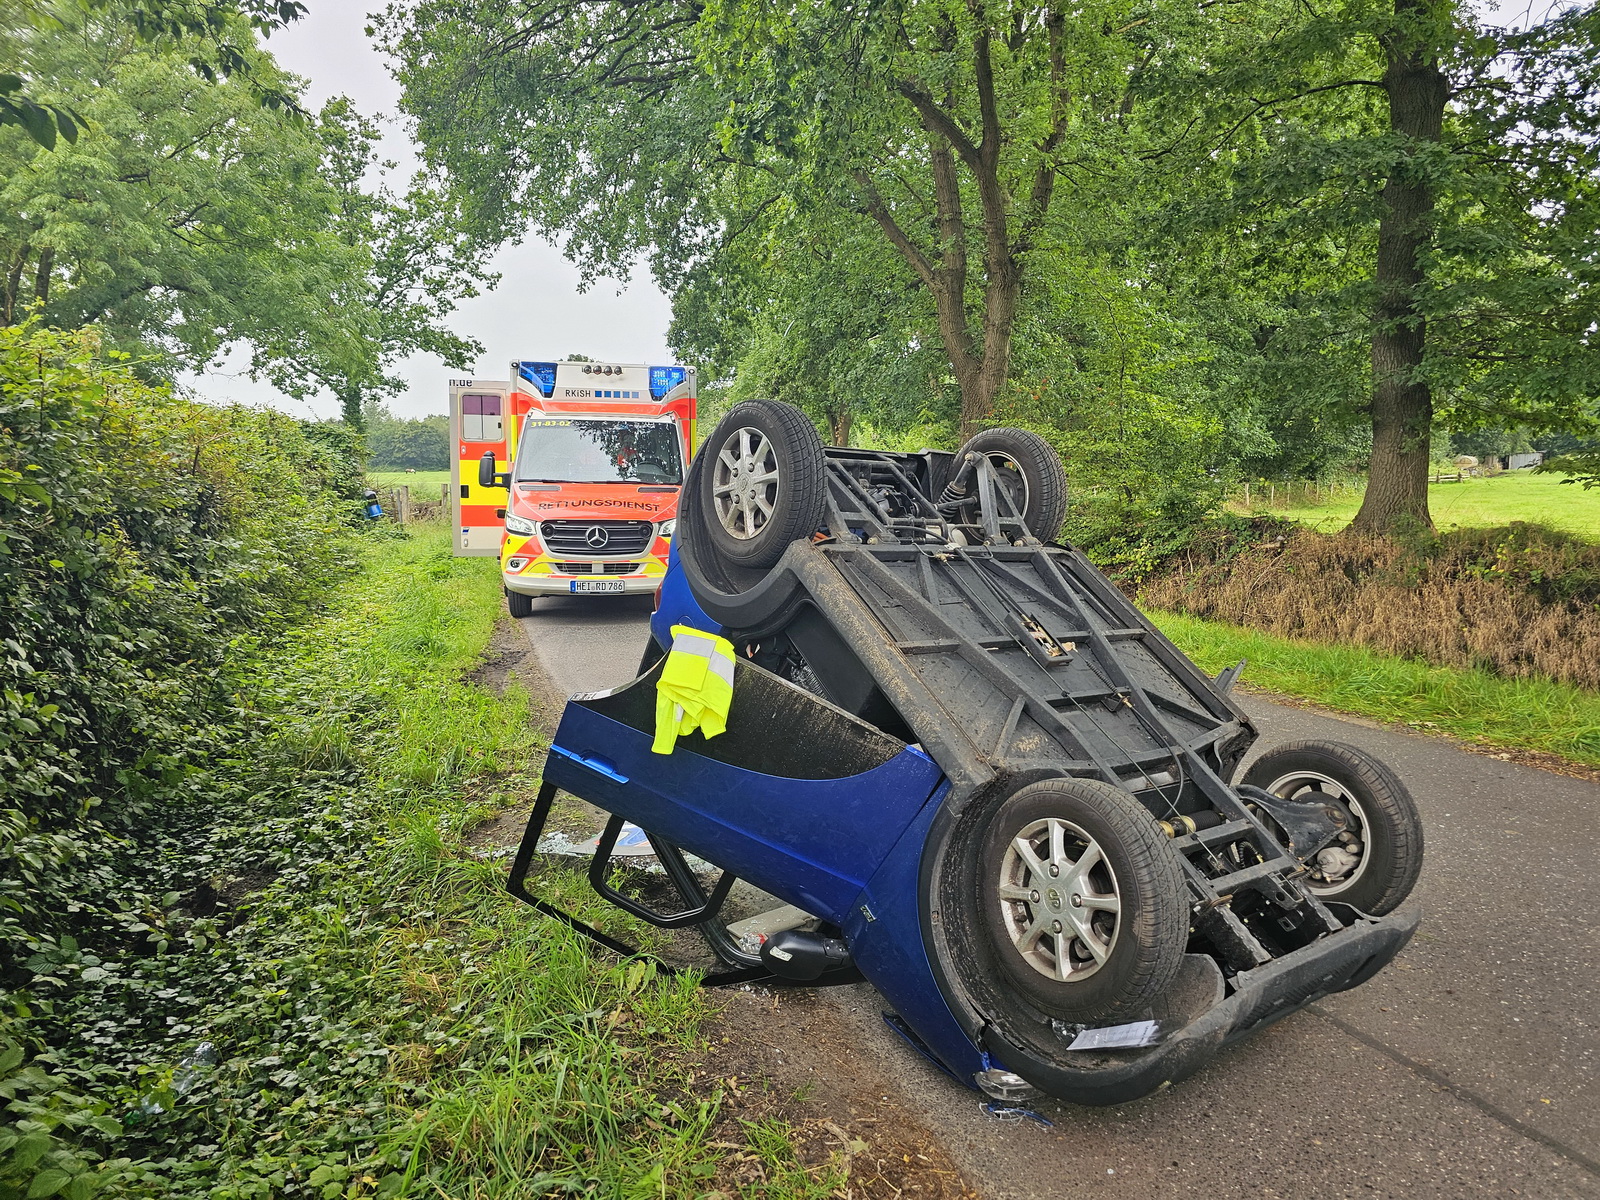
<point>1375,868</point>
<point>1030,471</point>
<point>1082,901</point>
<point>762,483</point>
<point>519,604</point>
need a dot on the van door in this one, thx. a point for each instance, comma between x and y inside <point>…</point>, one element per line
<point>479,422</point>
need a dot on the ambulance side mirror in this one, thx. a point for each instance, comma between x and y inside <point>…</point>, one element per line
<point>486,472</point>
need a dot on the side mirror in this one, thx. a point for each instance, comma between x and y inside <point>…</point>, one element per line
<point>486,472</point>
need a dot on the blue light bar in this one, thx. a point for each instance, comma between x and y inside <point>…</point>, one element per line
<point>542,375</point>
<point>664,379</point>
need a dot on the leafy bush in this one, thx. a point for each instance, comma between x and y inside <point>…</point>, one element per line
<point>147,544</point>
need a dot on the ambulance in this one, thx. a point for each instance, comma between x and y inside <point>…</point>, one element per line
<point>570,473</point>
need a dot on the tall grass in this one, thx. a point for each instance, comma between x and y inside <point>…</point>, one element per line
<point>1521,602</point>
<point>542,1067</point>
<point>1474,705</point>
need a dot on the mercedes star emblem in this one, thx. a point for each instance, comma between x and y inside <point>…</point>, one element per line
<point>596,537</point>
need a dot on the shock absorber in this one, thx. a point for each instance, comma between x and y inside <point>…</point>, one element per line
<point>958,488</point>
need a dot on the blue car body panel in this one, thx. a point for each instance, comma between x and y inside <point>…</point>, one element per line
<point>812,842</point>
<point>884,932</point>
<point>677,604</point>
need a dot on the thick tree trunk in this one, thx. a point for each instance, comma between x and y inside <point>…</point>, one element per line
<point>841,422</point>
<point>1402,402</point>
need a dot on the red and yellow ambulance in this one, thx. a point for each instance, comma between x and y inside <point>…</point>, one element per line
<point>570,472</point>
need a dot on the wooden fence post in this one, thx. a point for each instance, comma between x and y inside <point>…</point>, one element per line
<point>444,498</point>
<point>402,504</point>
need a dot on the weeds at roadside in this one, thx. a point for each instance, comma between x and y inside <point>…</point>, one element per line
<point>386,1021</point>
<point>1474,705</point>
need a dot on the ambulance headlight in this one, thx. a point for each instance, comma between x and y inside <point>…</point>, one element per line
<point>668,527</point>
<point>515,524</point>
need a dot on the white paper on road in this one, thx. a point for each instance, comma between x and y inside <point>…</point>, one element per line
<point>1118,1037</point>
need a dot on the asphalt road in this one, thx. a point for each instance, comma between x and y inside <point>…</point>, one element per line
<point>1470,1067</point>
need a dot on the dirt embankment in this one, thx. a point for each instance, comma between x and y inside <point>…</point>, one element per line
<point>1518,601</point>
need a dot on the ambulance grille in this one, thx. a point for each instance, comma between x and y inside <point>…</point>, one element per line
<point>595,568</point>
<point>597,539</point>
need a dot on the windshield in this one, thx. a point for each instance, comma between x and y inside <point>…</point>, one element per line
<point>599,451</point>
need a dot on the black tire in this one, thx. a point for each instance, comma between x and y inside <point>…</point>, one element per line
<point>1032,469</point>
<point>519,604</point>
<point>1390,833</point>
<point>751,528</point>
<point>1140,946</point>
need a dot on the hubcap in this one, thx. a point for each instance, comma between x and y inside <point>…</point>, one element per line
<point>1336,868</point>
<point>1059,900</point>
<point>744,483</point>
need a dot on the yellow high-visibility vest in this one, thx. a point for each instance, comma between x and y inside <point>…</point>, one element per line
<point>695,689</point>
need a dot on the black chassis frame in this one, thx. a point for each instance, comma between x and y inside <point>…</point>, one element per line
<point>942,619</point>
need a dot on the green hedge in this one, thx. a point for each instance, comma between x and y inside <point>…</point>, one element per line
<point>145,542</point>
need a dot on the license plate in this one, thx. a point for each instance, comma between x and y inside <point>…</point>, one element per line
<point>613,586</point>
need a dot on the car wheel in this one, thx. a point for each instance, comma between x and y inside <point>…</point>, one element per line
<point>1082,900</point>
<point>1029,470</point>
<point>762,483</point>
<point>1374,866</point>
<point>519,604</point>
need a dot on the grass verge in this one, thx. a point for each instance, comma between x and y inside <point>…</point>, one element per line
<point>1474,705</point>
<point>337,998</point>
<point>424,484</point>
<point>1477,504</point>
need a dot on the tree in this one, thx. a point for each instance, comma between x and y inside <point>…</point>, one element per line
<point>414,260</point>
<point>821,318</point>
<point>1445,176</point>
<point>188,217</point>
<point>185,211</point>
<point>393,443</point>
<point>220,22</point>
<point>678,127</point>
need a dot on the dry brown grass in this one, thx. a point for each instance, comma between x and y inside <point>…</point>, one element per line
<point>1518,601</point>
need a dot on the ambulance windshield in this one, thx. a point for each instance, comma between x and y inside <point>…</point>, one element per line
<point>556,450</point>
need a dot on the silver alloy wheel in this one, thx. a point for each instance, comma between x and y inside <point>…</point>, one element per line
<point>1059,900</point>
<point>1331,873</point>
<point>744,483</point>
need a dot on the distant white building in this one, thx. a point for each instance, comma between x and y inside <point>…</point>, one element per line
<point>1516,462</point>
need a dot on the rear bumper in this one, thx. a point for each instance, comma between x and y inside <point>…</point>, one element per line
<point>1332,964</point>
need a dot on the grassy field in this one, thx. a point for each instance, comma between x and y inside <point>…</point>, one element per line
<point>1478,503</point>
<point>1475,706</point>
<point>423,484</point>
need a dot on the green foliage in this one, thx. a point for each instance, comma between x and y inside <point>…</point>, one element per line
<point>387,1021</point>
<point>188,218</point>
<point>219,22</point>
<point>422,444</point>
<point>145,543</point>
<point>140,538</point>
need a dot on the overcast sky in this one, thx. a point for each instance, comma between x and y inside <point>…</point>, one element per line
<point>536,312</point>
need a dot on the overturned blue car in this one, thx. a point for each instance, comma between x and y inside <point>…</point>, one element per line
<point>981,778</point>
